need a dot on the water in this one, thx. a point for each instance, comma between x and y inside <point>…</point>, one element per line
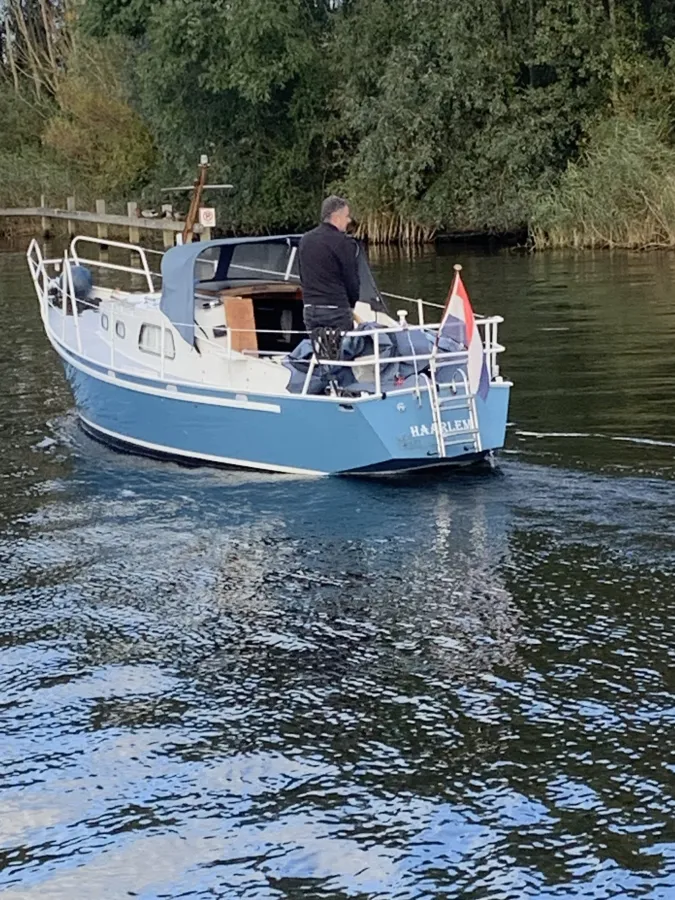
<point>235,685</point>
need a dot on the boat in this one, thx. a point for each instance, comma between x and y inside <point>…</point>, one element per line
<point>206,361</point>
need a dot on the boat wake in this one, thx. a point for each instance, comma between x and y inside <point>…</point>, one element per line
<point>628,439</point>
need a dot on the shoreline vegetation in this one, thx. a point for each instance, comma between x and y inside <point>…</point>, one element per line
<point>551,120</point>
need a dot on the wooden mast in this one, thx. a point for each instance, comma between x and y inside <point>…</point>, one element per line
<point>196,200</point>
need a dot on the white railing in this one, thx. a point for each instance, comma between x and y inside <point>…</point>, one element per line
<point>37,266</point>
<point>68,294</point>
<point>145,270</point>
<point>488,325</point>
<point>115,267</point>
<point>60,282</point>
<point>417,301</point>
<point>434,357</point>
<point>48,286</point>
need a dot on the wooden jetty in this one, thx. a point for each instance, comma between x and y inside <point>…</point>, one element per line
<point>103,220</point>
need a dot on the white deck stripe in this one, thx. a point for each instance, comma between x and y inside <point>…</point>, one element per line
<point>171,392</point>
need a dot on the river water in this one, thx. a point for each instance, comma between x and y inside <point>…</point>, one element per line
<point>237,685</point>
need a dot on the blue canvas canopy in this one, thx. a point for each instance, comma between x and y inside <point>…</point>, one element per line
<point>179,280</point>
<point>237,259</point>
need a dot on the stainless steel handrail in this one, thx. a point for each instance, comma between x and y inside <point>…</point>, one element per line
<point>104,264</point>
<point>42,282</point>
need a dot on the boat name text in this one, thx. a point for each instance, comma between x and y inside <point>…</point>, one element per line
<point>446,428</point>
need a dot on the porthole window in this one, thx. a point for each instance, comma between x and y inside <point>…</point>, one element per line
<point>149,341</point>
<point>104,322</point>
<point>120,330</point>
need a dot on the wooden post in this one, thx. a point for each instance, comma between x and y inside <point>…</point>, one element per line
<point>101,230</point>
<point>167,236</point>
<point>132,212</point>
<point>70,225</point>
<point>44,221</point>
<point>193,211</point>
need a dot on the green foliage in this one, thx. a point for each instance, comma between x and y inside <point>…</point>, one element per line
<point>22,119</point>
<point>468,110</point>
<point>27,174</point>
<point>430,115</point>
<point>128,18</point>
<point>26,169</point>
<point>248,86</point>
<point>85,135</point>
<point>95,129</point>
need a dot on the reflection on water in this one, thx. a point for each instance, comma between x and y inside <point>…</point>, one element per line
<point>226,684</point>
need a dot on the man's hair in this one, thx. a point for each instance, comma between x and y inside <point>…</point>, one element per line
<point>331,205</point>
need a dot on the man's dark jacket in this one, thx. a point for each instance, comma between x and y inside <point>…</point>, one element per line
<point>328,268</point>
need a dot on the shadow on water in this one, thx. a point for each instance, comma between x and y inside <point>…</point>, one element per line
<point>229,684</point>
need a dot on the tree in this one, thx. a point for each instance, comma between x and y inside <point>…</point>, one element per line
<point>245,83</point>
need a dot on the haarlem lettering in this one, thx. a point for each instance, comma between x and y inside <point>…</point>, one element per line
<point>447,428</point>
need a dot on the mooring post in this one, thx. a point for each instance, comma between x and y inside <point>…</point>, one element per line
<point>70,225</point>
<point>44,221</point>
<point>101,229</point>
<point>167,236</point>
<point>132,212</point>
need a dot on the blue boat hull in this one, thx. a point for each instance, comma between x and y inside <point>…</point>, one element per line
<point>292,433</point>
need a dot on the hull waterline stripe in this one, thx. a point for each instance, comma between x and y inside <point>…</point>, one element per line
<point>263,467</point>
<point>193,454</point>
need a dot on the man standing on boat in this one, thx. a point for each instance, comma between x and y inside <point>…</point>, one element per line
<point>329,272</point>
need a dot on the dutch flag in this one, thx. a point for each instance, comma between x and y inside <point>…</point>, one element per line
<point>458,323</point>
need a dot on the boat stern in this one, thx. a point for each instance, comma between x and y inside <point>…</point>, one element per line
<point>413,435</point>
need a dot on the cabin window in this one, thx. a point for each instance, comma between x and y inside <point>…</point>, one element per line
<point>206,264</point>
<point>150,341</point>
<point>120,330</point>
<point>262,261</point>
<point>104,321</point>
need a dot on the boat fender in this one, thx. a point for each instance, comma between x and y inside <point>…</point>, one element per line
<point>82,281</point>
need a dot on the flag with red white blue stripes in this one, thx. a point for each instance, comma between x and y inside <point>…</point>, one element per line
<point>458,323</point>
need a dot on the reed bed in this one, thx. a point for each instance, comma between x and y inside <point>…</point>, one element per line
<point>620,194</point>
<point>393,228</point>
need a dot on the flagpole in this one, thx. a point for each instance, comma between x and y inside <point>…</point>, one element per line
<point>457,267</point>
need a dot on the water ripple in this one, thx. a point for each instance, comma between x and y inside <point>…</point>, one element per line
<point>220,684</point>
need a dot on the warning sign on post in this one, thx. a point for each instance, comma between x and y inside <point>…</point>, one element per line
<point>207,217</point>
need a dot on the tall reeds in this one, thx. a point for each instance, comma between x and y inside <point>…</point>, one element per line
<point>393,228</point>
<point>621,193</point>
